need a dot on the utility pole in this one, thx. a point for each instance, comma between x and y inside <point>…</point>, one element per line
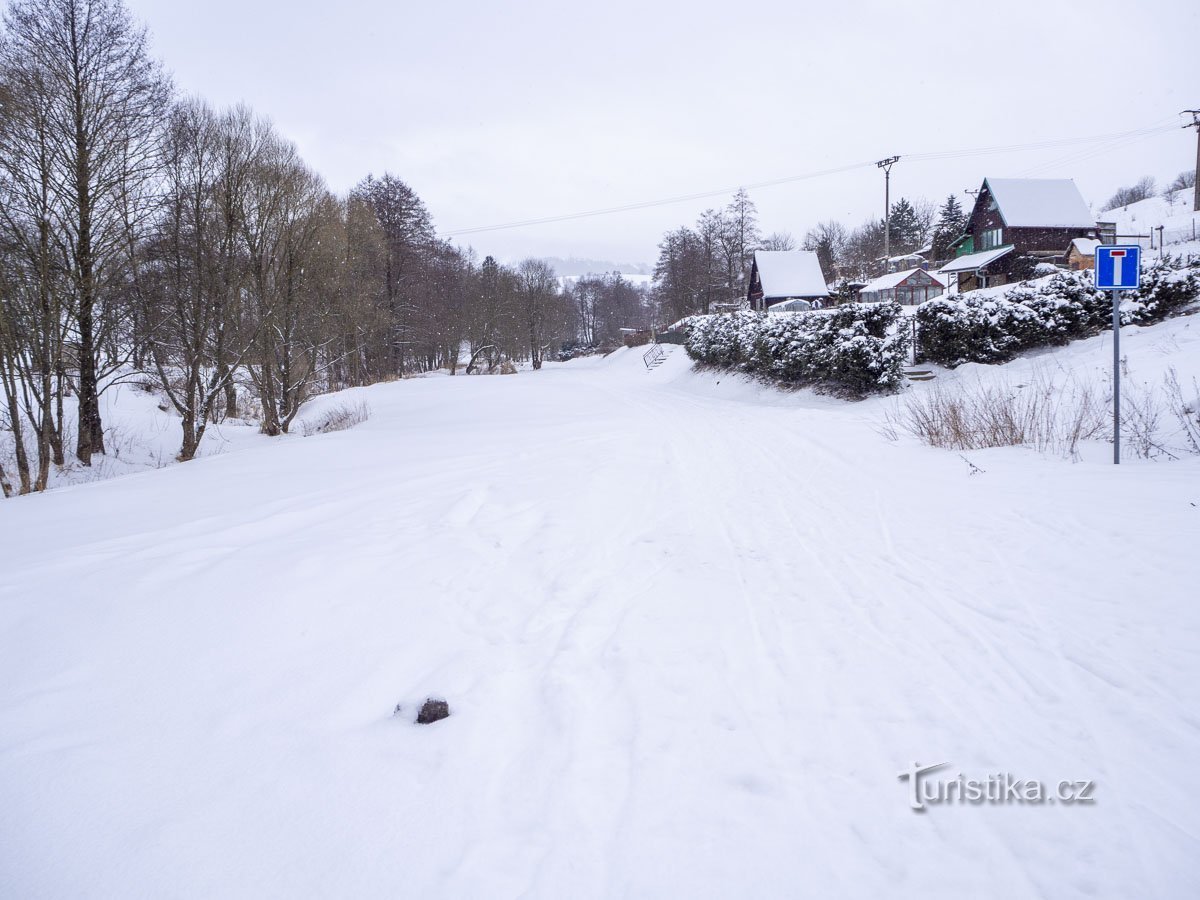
<point>886,165</point>
<point>1195,123</point>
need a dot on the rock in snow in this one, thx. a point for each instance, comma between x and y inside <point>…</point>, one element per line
<point>432,711</point>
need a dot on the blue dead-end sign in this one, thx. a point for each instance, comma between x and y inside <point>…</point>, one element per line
<point>1119,268</point>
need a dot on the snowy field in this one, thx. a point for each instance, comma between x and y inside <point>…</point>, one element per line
<point>690,629</point>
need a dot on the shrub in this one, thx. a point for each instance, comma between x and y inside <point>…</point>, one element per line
<point>856,349</point>
<point>1168,285</point>
<point>338,418</point>
<point>985,329</point>
<point>991,328</point>
<point>1042,414</point>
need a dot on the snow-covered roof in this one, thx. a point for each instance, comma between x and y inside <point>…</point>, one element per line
<point>790,273</point>
<point>973,261</point>
<point>886,282</point>
<point>1040,203</point>
<point>1085,246</point>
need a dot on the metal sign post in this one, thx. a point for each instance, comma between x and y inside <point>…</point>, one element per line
<point>1118,269</point>
<point>1116,298</point>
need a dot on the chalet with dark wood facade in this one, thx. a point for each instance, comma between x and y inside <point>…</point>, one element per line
<point>779,276</point>
<point>1015,224</point>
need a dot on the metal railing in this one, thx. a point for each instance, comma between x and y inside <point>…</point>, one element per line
<point>654,355</point>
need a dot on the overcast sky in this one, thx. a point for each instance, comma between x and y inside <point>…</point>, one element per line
<point>496,112</point>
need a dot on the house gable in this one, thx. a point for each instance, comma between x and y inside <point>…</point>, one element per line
<point>786,274</point>
<point>1039,203</point>
<point>985,219</point>
<point>1020,213</point>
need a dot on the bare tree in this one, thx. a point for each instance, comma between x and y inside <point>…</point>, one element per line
<point>1142,190</point>
<point>714,272</point>
<point>33,317</point>
<point>680,273</point>
<point>284,208</point>
<point>828,241</point>
<point>193,289</point>
<point>740,237</point>
<point>863,249</point>
<point>1173,193</point>
<point>1181,182</point>
<point>926,215</point>
<point>777,240</point>
<point>537,288</point>
<point>106,98</point>
<point>492,315</point>
<point>407,232</point>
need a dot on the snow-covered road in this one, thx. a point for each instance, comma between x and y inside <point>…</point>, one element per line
<point>690,631</point>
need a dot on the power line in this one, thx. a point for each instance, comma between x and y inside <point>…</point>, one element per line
<point>1090,153</point>
<point>1158,128</point>
<point>1108,142</point>
<point>647,204</point>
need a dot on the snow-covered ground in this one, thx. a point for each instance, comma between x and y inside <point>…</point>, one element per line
<point>1180,224</point>
<point>141,431</point>
<point>690,629</point>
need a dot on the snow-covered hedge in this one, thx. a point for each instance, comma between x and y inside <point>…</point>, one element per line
<point>1168,285</point>
<point>856,349</point>
<point>986,327</point>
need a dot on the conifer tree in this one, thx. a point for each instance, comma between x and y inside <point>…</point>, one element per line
<point>905,227</point>
<point>951,223</point>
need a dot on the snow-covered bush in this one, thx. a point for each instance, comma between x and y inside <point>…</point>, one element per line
<point>857,349</point>
<point>719,340</point>
<point>988,328</point>
<point>984,329</point>
<point>1067,305</point>
<point>1168,285</point>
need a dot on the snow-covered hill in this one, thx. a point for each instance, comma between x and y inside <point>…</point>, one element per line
<point>690,630</point>
<point>1181,226</point>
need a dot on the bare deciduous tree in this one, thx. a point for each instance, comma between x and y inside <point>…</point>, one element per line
<point>828,241</point>
<point>778,240</point>
<point>1143,189</point>
<point>105,103</point>
<point>537,289</point>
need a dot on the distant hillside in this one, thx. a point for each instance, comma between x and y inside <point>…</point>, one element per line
<point>631,278</point>
<point>576,266</point>
<point>1179,223</point>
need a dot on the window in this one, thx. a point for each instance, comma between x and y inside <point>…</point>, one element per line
<point>991,238</point>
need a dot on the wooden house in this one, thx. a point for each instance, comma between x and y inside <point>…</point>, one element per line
<point>903,262</point>
<point>781,275</point>
<point>1081,254</point>
<point>1015,224</point>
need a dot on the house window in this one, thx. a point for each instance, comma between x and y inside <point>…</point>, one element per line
<point>991,238</point>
